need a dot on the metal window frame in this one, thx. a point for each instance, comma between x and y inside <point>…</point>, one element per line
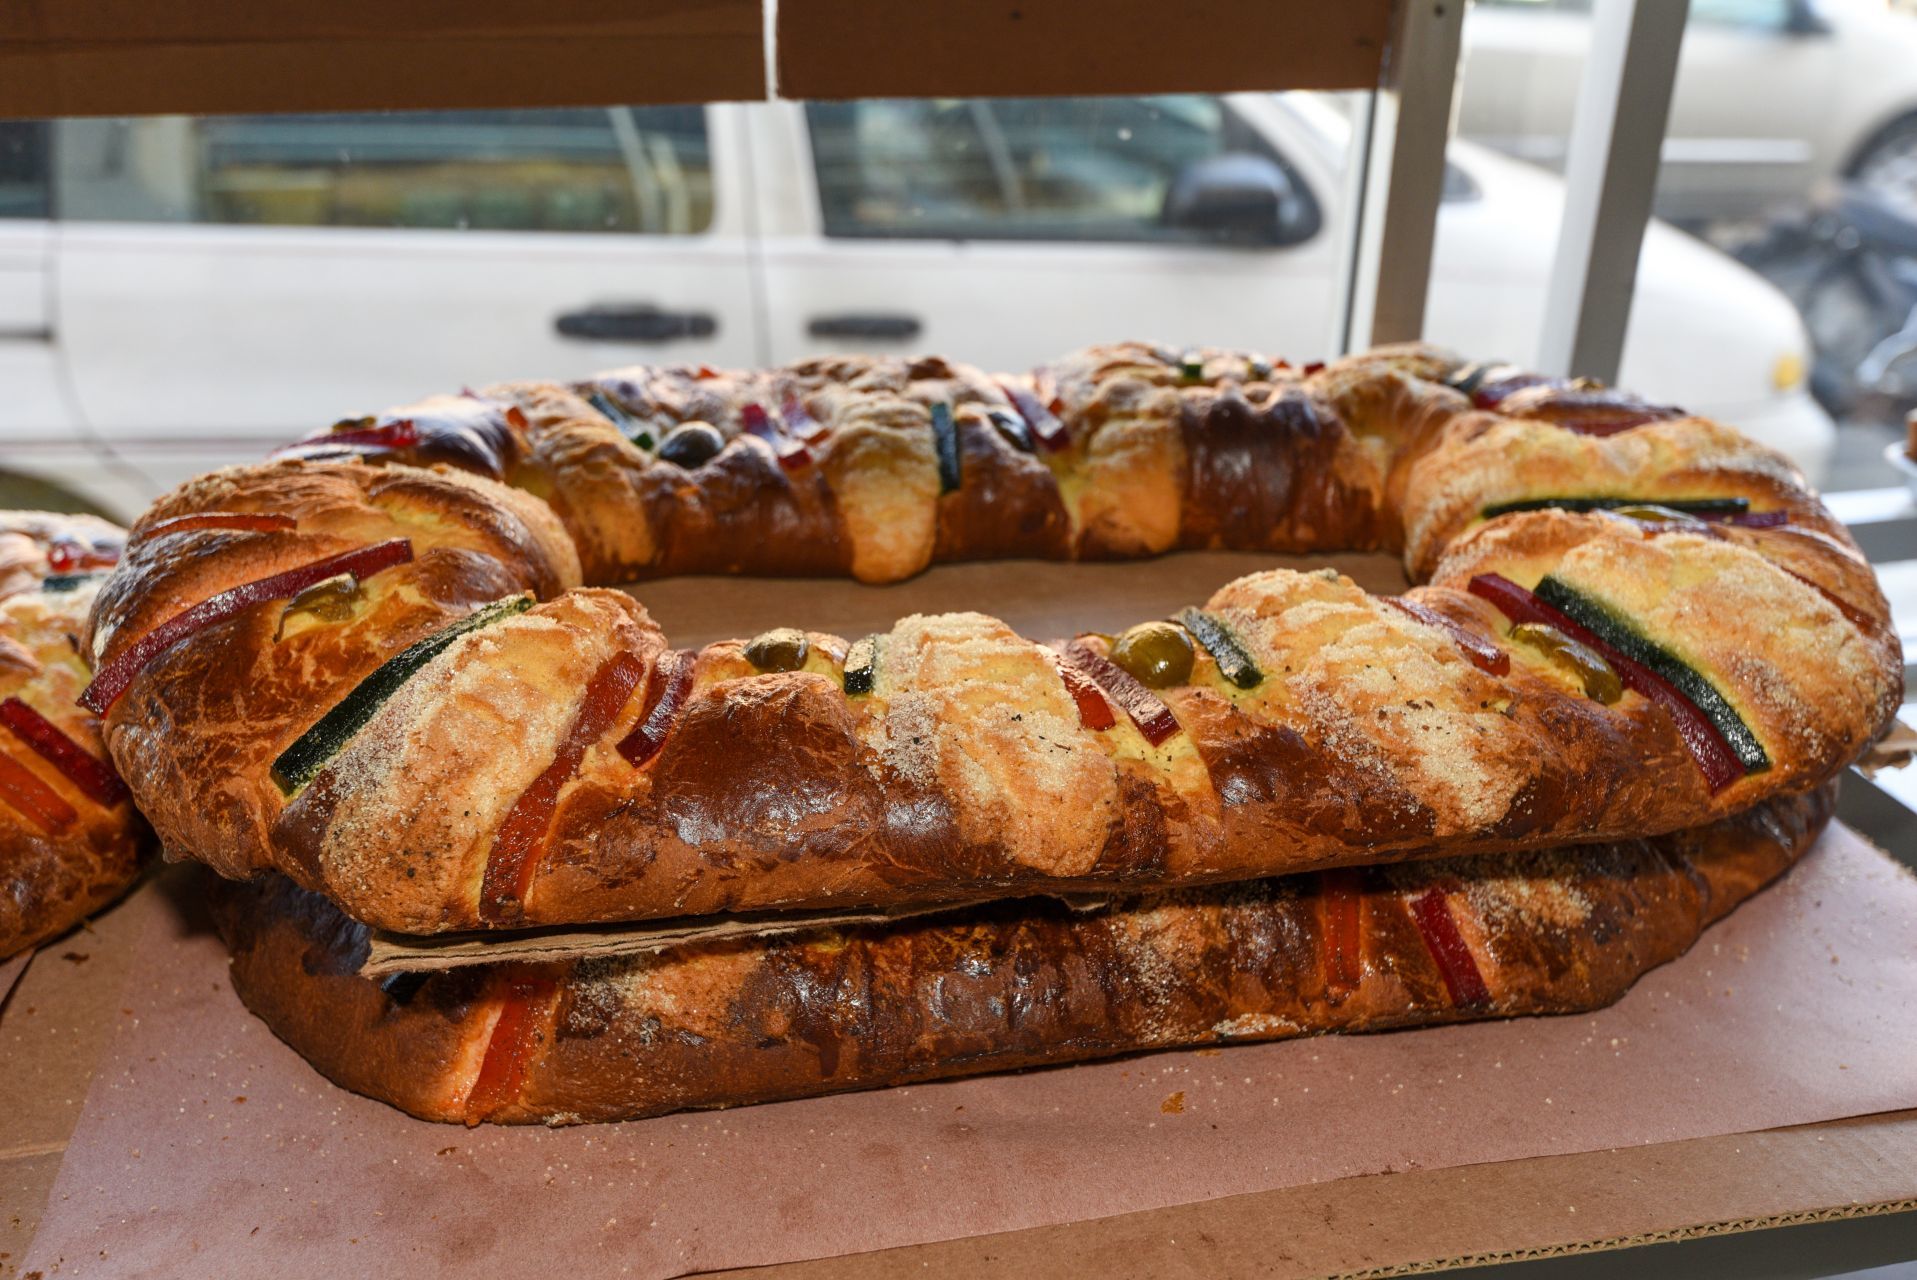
<point>1396,181</point>
<point>1396,178</point>
<point>1610,176</point>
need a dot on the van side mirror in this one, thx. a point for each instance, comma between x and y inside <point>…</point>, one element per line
<point>1240,198</point>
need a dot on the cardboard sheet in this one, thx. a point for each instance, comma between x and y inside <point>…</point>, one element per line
<point>403,953</point>
<point>206,1145</point>
<point>10,971</point>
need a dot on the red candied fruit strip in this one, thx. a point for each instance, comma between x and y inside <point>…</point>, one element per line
<point>1754,519</point>
<point>1493,391</point>
<point>792,454</point>
<point>34,799</point>
<point>800,422</point>
<point>95,779</point>
<point>648,738</point>
<point>1713,755</point>
<point>1432,913</point>
<point>246,521</point>
<point>1481,653</point>
<point>524,997</point>
<point>1153,718</point>
<point>401,433</point>
<point>112,680</point>
<point>64,555</point>
<point>1340,898</point>
<point>515,853</point>
<point>1616,424</point>
<point>1858,618</point>
<point>1046,428</point>
<point>1093,711</point>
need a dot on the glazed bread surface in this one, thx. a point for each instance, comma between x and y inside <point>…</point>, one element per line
<point>564,763</point>
<point>65,851</point>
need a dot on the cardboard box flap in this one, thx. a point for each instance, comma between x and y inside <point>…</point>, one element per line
<point>391,953</point>
<point>877,48</point>
<point>124,58</point>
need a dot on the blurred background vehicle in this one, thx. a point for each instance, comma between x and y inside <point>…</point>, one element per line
<point>1773,97</point>
<point>1792,143</point>
<point>179,293</point>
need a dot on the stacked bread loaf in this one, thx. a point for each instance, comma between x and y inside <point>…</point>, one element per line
<point>70,841</point>
<point>1639,652</point>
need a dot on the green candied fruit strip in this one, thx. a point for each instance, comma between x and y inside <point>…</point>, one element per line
<point>615,413</point>
<point>945,439</point>
<point>1635,645</point>
<point>862,666</point>
<point>1234,661</point>
<point>1689,506</point>
<point>311,751</point>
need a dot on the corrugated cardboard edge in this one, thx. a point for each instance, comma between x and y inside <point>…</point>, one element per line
<point>1894,750</point>
<point>390,953</point>
<point>1671,1236</point>
<point>1393,1224</point>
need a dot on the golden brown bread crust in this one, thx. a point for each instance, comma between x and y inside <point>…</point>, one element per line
<point>54,874</point>
<point>969,770</point>
<point>28,539</point>
<point>1018,984</point>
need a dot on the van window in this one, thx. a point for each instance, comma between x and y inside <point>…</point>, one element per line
<point>622,169</point>
<point>23,169</point>
<point>1015,168</point>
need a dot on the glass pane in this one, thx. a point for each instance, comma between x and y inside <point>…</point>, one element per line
<point>23,169</point>
<point>1111,169</point>
<point>1784,249</point>
<point>634,170</point>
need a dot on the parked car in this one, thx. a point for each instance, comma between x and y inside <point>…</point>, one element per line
<point>178,294</point>
<point>1773,97</point>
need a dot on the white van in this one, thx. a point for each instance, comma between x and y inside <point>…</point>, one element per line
<point>181,293</point>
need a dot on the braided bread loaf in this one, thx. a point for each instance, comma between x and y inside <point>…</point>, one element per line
<point>70,841</point>
<point>1016,984</point>
<point>424,744</point>
<point>878,467</point>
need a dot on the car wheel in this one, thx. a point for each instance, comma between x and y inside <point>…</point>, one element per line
<point>1887,166</point>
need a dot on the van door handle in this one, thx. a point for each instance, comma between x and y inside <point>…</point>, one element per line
<point>887,325</point>
<point>641,322</point>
